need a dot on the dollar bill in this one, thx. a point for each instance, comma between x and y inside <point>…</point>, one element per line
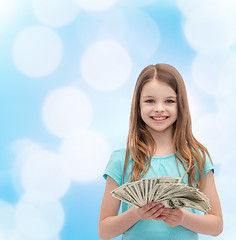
<point>166,190</point>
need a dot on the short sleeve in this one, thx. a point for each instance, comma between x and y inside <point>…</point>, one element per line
<point>208,166</point>
<point>115,166</point>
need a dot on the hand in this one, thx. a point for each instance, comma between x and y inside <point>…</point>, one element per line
<point>150,211</point>
<point>174,217</point>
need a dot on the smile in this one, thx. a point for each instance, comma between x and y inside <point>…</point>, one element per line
<point>159,118</point>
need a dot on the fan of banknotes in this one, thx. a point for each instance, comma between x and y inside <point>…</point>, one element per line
<point>166,190</point>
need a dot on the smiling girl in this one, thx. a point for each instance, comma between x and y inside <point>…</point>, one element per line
<point>160,143</point>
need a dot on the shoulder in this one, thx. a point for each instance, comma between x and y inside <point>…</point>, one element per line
<point>119,153</point>
<point>115,165</point>
<point>208,166</point>
<point>207,163</point>
<point>118,156</point>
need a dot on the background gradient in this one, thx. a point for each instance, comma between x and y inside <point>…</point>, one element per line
<point>67,73</point>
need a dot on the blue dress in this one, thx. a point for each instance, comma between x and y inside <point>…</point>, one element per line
<point>160,166</point>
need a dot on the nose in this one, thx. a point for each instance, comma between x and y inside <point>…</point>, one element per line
<point>159,107</point>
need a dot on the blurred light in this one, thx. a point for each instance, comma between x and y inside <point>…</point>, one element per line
<point>137,3</point>
<point>37,51</point>
<point>207,131</point>
<point>226,98</point>
<point>95,5</point>
<point>228,6</point>
<point>187,6</point>
<point>105,65</point>
<point>206,69</point>
<point>65,110</point>
<point>213,31</point>
<point>112,25</point>
<point>39,222</point>
<point>195,104</point>
<point>85,155</point>
<point>7,220</point>
<point>55,13</point>
<point>115,38</point>
<point>96,27</point>
<point>141,35</point>
<point>42,172</point>
<point>7,9</point>
<point>226,107</point>
<point>22,148</point>
<point>227,76</point>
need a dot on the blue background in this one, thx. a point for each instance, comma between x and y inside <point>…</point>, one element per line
<point>139,33</point>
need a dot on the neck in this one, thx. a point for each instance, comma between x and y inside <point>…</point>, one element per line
<point>164,142</point>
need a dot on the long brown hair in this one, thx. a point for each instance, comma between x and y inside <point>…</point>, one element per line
<point>140,143</point>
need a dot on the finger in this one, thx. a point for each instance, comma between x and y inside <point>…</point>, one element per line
<point>160,217</point>
<point>153,207</point>
<point>172,218</point>
<point>144,212</point>
<point>153,211</point>
<point>158,214</point>
<point>170,222</point>
<point>169,215</point>
<point>175,212</point>
<point>170,211</point>
<point>149,206</point>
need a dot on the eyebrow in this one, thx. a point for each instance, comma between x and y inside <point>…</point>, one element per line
<point>171,97</point>
<point>149,96</point>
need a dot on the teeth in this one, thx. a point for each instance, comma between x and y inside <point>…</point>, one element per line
<point>159,118</point>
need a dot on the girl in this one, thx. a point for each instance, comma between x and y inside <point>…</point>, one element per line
<point>160,143</point>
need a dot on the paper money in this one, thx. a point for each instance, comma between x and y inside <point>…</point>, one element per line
<point>166,190</point>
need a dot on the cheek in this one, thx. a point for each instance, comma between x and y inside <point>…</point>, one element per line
<point>141,109</point>
<point>145,112</point>
<point>175,111</point>
<point>142,114</point>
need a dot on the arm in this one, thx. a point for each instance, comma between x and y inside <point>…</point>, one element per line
<point>209,224</point>
<point>111,224</point>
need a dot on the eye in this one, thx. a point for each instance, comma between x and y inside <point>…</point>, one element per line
<point>150,101</point>
<point>169,101</point>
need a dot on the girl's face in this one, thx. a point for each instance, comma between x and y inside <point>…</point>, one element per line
<point>158,105</point>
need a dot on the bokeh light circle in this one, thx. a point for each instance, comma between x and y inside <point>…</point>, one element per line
<point>66,109</point>
<point>227,76</point>
<point>187,7</point>
<point>7,220</point>
<point>55,13</point>
<point>206,70</point>
<point>207,131</point>
<point>8,9</point>
<point>226,98</point>
<point>37,51</point>
<point>213,31</point>
<point>195,105</point>
<point>109,25</point>
<point>39,222</point>
<point>85,155</point>
<point>43,172</point>
<point>94,5</point>
<point>132,28</point>
<point>105,65</point>
<point>141,35</point>
<point>23,150</point>
<point>136,3</point>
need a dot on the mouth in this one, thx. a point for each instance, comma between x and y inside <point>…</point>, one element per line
<point>160,118</point>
